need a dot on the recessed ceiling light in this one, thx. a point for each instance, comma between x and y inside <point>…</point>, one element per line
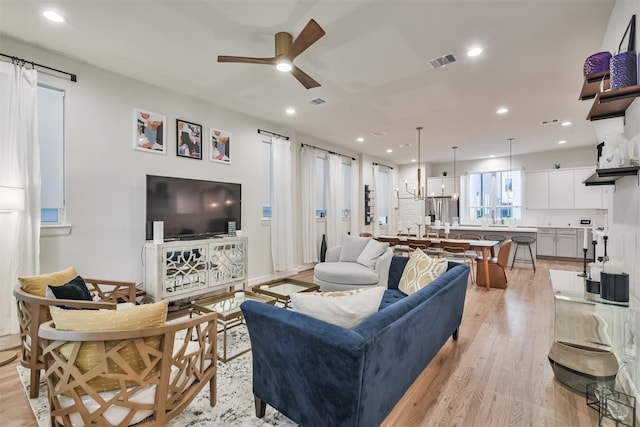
<point>474,51</point>
<point>389,150</point>
<point>566,123</point>
<point>52,15</point>
<point>360,139</point>
<point>562,142</point>
<point>413,160</point>
<point>290,111</point>
<point>492,156</point>
<point>502,110</point>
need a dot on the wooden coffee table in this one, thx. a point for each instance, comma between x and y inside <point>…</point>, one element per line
<point>229,314</point>
<point>281,289</point>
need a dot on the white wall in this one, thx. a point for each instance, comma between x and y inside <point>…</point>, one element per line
<point>624,221</point>
<point>105,177</point>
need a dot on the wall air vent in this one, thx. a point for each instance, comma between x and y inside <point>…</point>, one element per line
<point>442,61</point>
<point>317,101</point>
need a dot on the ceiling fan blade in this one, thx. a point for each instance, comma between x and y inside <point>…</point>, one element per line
<point>308,36</point>
<point>304,78</point>
<point>247,60</point>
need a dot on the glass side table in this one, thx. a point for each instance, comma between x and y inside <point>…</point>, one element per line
<point>582,350</point>
<point>230,315</point>
<point>281,289</point>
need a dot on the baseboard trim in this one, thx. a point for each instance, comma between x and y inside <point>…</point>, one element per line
<point>278,275</point>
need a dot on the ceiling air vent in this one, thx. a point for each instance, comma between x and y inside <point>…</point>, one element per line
<point>442,61</point>
<point>317,101</point>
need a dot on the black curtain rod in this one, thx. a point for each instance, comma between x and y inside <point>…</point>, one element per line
<point>380,164</point>
<point>266,132</point>
<point>330,152</point>
<point>21,61</point>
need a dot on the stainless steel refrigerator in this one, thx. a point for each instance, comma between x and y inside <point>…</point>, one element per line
<point>442,208</point>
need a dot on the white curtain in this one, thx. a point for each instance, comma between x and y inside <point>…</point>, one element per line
<point>355,199</point>
<point>308,211</point>
<point>375,222</point>
<point>392,224</point>
<point>281,206</point>
<point>334,201</point>
<point>19,167</point>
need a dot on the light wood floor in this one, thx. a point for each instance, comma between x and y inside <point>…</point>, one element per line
<point>496,374</point>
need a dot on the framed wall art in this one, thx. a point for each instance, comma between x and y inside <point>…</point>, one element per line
<point>220,148</point>
<point>189,139</point>
<point>150,131</point>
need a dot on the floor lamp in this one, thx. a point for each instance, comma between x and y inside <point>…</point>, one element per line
<point>11,200</point>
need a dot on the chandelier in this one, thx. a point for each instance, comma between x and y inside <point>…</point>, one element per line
<point>419,192</point>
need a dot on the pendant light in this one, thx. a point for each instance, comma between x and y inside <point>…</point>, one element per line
<point>455,196</point>
<point>510,190</point>
<point>419,193</point>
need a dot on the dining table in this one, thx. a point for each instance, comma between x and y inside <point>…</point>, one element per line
<point>487,247</point>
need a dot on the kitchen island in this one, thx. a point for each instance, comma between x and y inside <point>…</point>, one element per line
<point>502,230</point>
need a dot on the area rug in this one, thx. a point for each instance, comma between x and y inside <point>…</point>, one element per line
<point>234,406</point>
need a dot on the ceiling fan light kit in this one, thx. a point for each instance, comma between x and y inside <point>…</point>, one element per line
<point>286,50</point>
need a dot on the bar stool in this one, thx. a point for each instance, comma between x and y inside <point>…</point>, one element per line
<point>523,241</point>
<point>497,237</point>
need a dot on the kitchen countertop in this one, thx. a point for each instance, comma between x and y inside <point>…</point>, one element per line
<point>519,229</point>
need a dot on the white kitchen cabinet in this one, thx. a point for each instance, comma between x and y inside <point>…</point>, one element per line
<point>561,185</point>
<point>537,190</point>
<point>546,242</point>
<point>560,242</point>
<point>587,196</point>
<point>566,243</point>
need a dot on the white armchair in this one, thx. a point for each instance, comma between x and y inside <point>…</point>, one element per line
<point>359,262</point>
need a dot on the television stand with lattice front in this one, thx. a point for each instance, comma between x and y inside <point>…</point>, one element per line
<point>186,269</point>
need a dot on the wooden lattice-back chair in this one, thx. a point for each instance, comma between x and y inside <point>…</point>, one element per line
<point>34,310</point>
<point>173,364</point>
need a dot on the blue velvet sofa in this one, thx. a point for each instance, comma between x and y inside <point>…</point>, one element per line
<point>320,374</point>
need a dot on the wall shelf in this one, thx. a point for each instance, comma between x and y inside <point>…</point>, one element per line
<point>613,103</point>
<point>591,84</point>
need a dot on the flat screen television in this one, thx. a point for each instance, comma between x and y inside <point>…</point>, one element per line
<point>192,208</point>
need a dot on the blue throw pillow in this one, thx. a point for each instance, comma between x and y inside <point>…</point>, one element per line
<point>75,289</point>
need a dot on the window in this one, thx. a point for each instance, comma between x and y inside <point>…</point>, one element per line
<point>51,141</point>
<point>346,190</point>
<point>383,198</point>
<point>321,186</point>
<point>266,179</point>
<point>494,196</point>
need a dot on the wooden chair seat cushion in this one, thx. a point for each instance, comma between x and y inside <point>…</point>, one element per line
<point>144,396</point>
<point>174,374</point>
<point>90,353</point>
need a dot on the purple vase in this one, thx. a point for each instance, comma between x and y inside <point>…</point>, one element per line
<point>624,70</point>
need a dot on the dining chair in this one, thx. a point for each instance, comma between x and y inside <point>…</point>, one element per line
<point>418,244</point>
<point>457,251</point>
<point>497,267</point>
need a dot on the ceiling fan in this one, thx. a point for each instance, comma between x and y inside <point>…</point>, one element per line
<point>287,50</point>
